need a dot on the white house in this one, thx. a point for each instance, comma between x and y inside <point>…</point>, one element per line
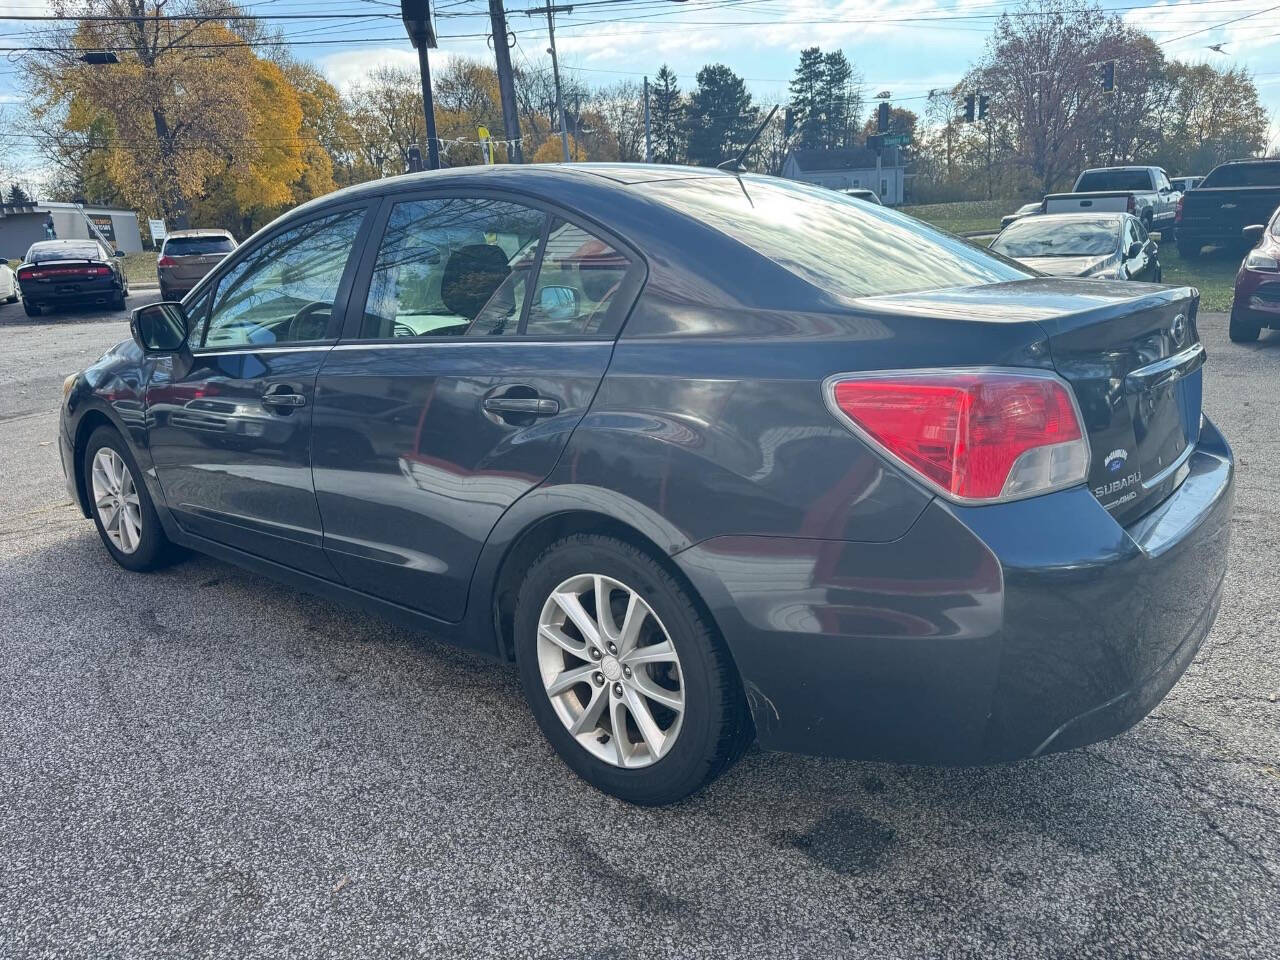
<point>852,167</point>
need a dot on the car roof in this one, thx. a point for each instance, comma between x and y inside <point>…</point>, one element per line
<point>70,242</point>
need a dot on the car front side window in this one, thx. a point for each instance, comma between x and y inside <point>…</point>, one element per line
<point>283,290</point>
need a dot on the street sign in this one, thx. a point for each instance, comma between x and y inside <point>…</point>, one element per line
<point>896,140</point>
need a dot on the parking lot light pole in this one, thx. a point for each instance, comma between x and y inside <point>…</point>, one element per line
<point>420,26</point>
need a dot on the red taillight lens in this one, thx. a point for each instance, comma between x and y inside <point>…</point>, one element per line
<point>166,262</point>
<point>28,275</point>
<point>1177,216</point>
<point>972,435</point>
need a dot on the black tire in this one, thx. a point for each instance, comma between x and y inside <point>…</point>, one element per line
<point>117,302</point>
<point>1188,249</point>
<point>31,309</point>
<point>1241,330</point>
<point>14,298</point>
<point>1168,234</point>
<point>154,549</point>
<point>716,726</point>
<point>1159,277</point>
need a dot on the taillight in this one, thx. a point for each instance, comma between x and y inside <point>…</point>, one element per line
<point>975,436</point>
<point>166,262</point>
<point>1177,216</point>
<point>27,275</point>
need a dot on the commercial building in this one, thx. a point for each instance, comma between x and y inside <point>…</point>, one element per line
<point>23,224</point>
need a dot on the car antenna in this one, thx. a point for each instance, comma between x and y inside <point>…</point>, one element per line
<point>736,165</point>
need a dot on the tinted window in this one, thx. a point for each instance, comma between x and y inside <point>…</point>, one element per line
<point>577,283</point>
<point>1042,237</point>
<point>39,252</point>
<point>844,246</point>
<point>197,246</point>
<point>446,262</point>
<point>1243,175</point>
<point>283,290</point>
<point>1098,180</point>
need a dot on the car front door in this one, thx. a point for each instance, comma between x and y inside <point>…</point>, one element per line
<point>230,421</point>
<point>486,327</point>
<point>1142,265</point>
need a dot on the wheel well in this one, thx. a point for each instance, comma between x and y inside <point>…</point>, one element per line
<point>537,537</point>
<point>90,422</point>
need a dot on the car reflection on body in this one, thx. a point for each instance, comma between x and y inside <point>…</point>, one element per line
<point>1105,246</point>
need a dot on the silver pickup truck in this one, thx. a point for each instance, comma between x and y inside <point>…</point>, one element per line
<point>1144,192</point>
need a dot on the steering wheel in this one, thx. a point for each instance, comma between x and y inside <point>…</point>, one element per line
<point>306,325</point>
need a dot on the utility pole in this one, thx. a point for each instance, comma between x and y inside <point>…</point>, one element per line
<point>506,81</point>
<point>551,9</point>
<point>420,26</point>
<point>648,139</point>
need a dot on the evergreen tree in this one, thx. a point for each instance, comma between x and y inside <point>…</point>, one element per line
<point>667,118</point>
<point>807,95</point>
<point>841,100</point>
<point>17,196</point>
<point>721,116</point>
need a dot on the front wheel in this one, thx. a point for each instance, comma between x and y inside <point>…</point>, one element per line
<point>1241,331</point>
<point>626,677</point>
<point>122,509</point>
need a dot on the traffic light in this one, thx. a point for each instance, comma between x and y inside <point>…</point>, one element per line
<point>788,123</point>
<point>882,117</point>
<point>1109,75</point>
<point>983,100</point>
<point>969,104</point>
<point>875,142</point>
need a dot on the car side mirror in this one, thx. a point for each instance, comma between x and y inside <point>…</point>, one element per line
<point>558,303</point>
<point>1253,232</point>
<point>1135,248</point>
<point>118,253</point>
<point>160,327</point>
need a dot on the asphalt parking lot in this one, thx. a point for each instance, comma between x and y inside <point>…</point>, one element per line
<point>201,763</point>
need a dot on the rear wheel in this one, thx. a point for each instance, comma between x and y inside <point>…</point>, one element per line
<point>31,309</point>
<point>122,509</point>
<point>1241,330</point>
<point>626,677</point>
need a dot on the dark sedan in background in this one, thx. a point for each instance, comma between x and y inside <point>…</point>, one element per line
<point>710,457</point>
<point>65,273</point>
<point>1256,303</point>
<point>1103,246</point>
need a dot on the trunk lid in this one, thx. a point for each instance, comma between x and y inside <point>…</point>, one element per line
<point>1225,211</point>
<point>1134,366</point>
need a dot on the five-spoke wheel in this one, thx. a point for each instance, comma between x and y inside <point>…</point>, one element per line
<point>115,499</point>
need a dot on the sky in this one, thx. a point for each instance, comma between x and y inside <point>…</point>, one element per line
<point>905,47</point>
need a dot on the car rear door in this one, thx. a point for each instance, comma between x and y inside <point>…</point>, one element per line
<point>230,421</point>
<point>476,340</point>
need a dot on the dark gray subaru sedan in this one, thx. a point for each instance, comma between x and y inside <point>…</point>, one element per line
<point>711,458</point>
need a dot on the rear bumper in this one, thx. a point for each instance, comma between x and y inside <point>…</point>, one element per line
<point>97,291</point>
<point>984,634</point>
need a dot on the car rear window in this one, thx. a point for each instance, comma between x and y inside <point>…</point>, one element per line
<point>1043,237</point>
<point>845,246</point>
<point>1098,180</point>
<point>197,246</point>
<point>75,251</point>
<point>1243,175</point>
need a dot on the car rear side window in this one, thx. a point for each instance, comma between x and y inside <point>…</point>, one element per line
<point>446,264</point>
<point>844,246</point>
<point>577,283</point>
<point>1243,175</point>
<point>283,290</point>
<point>197,246</point>
<point>1102,180</point>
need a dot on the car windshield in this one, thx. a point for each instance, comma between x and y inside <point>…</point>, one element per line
<point>1243,175</point>
<point>198,246</point>
<point>63,251</point>
<point>842,245</point>
<point>1058,238</point>
<point>1097,180</point>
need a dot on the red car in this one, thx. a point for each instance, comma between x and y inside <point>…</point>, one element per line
<point>1257,299</point>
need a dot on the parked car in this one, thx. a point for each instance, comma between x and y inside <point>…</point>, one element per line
<point>71,273</point>
<point>1144,192</point>
<point>1235,195</point>
<point>711,458</point>
<point>1256,303</point>
<point>861,193</point>
<point>186,256</point>
<point>1107,246</point>
<point>9,291</point>
<point>1026,210</point>
<point>1183,184</point>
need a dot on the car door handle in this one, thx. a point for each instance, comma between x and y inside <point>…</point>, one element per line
<point>535,406</point>
<point>284,400</point>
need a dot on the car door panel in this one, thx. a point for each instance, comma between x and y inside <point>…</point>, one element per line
<point>412,471</point>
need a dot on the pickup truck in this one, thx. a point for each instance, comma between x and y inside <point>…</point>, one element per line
<point>1235,195</point>
<point>1144,192</point>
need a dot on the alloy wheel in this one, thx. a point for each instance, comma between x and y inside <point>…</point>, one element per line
<point>610,670</point>
<point>115,498</point>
